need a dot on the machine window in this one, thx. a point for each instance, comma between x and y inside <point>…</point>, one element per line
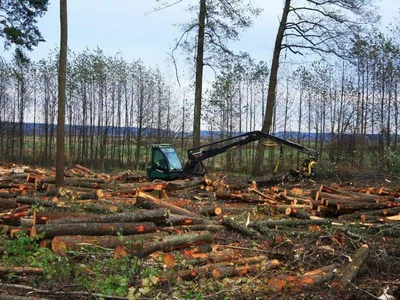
<point>159,160</point>
<point>173,159</point>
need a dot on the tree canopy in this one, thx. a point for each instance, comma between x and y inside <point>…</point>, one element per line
<point>18,22</point>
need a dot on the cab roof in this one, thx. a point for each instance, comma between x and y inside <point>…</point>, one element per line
<point>161,146</point>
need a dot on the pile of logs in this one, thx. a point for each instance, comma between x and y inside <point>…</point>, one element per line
<point>184,218</point>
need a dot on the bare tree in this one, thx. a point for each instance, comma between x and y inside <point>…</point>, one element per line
<point>321,26</point>
<point>62,77</point>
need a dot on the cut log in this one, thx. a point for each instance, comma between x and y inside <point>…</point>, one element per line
<point>170,243</point>
<point>236,267</point>
<point>289,223</point>
<point>86,170</point>
<point>211,257</point>
<point>8,203</point>
<point>147,201</point>
<point>235,226</point>
<point>61,244</point>
<point>211,211</point>
<point>232,271</point>
<point>175,219</point>
<point>137,216</point>
<point>180,202</point>
<point>49,202</point>
<point>183,184</point>
<point>143,186</point>
<point>266,197</point>
<point>50,231</point>
<point>309,279</point>
<point>223,195</point>
<point>297,213</point>
<point>200,227</point>
<point>365,206</point>
<point>21,271</point>
<point>121,175</point>
<point>346,274</point>
<point>5,194</point>
<point>43,216</point>
<point>380,212</point>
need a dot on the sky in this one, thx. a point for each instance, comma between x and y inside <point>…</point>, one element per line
<point>132,28</point>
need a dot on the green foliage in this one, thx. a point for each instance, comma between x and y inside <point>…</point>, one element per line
<point>22,251</point>
<point>18,19</point>
<point>393,160</point>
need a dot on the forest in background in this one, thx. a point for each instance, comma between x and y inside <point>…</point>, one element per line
<point>345,107</point>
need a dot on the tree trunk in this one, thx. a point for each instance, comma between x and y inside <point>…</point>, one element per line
<point>199,75</point>
<point>62,77</point>
<point>271,97</point>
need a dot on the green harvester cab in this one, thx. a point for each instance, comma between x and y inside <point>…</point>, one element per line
<point>165,163</point>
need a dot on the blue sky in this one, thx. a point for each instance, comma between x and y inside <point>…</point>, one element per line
<point>130,26</point>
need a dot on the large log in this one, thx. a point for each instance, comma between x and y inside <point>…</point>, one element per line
<point>355,195</point>
<point>145,200</point>
<point>380,212</point>
<point>47,202</point>
<point>50,231</point>
<point>235,226</point>
<point>297,213</point>
<point>347,274</point>
<point>365,206</point>
<point>173,242</point>
<point>231,268</point>
<point>143,186</point>
<point>183,184</point>
<point>223,195</point>
<point>213,210</point>
<point>75,180</point>
<point>5,194</point>
<point>309,279</point>
<point>140,215</point>
<point>174,219</point>
<point>8,203</point>
<point>43,216</point>
<point>290,223</point>
<point>60,244</point>
<point>86,170</point>
<point>231,271</point>
<point>199,227</point>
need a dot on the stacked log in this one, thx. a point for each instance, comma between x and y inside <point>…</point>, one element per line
<point>127,216</point>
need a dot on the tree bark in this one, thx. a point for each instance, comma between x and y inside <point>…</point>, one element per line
<point>60,244</point>
<point>173,242</point>
<point>149,202</point>
<point>137,216</point>
<point>346,275</point>
<point>271,97</point>
<point>53,230</point>
<point>235,226</point>
<point>62,78</point>
<point>199,75</point>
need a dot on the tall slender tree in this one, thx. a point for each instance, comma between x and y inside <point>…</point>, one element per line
<point>322,26</point>
<point>62,78</point>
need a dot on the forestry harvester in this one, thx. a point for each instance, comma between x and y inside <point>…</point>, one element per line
<point>166,165</point>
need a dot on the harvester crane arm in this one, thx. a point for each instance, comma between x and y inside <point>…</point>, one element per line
<point>197,155</point>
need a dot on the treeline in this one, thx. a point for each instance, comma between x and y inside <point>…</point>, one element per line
<point>349,106</point>
<point>104,94</point>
